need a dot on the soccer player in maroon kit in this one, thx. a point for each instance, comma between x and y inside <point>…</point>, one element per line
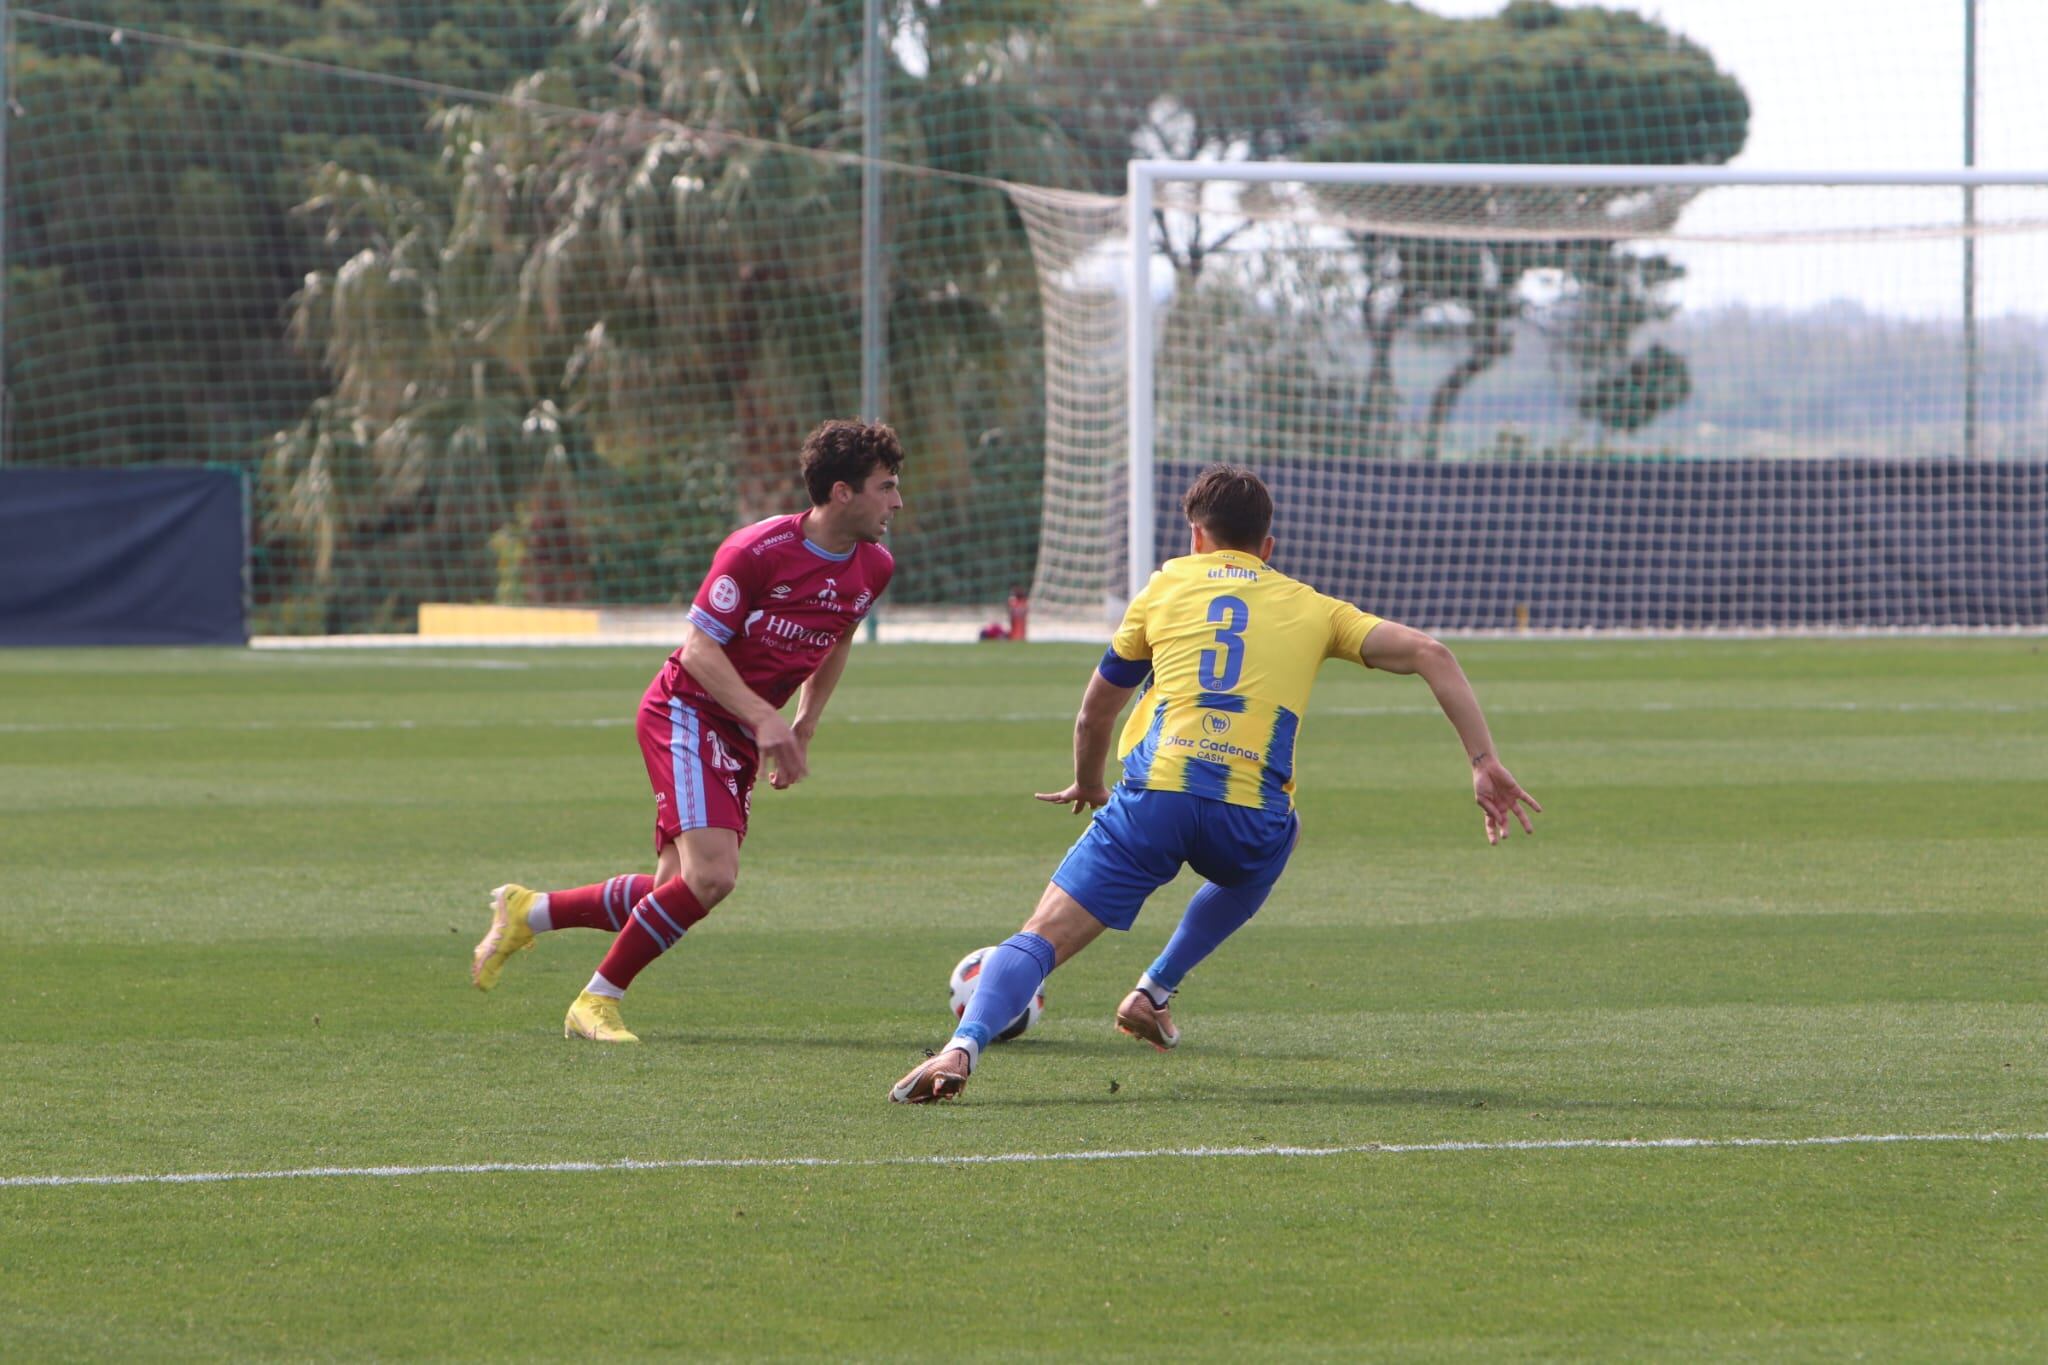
<point>776,612</point>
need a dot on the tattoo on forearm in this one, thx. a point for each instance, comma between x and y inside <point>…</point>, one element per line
<point>1480,757</point>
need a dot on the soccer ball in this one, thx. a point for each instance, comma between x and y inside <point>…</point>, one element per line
<point>967,976</point>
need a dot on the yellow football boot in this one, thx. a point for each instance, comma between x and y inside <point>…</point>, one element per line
<point>596,1017</point>
<point>509,934</point>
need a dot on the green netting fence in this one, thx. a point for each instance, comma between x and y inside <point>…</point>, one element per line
<point>529,302</point>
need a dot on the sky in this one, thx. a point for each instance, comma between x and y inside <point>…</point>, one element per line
<point>1871,85</point>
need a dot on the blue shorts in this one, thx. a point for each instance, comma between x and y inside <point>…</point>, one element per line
<point>1137,843</point>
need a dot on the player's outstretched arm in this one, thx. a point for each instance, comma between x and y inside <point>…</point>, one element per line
<point>708,664</point>
<point>1394,648</point>
<point>1101,704</point>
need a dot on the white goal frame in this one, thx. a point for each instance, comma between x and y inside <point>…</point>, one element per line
<point>1144,175</point>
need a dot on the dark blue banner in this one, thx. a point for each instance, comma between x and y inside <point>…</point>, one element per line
<point>122,557</point>
<point>1683,544</point>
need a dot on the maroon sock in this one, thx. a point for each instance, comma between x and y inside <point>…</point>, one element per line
<point>656,925</point>
<point>603,906</point>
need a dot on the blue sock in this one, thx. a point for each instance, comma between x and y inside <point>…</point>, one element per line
<point>1010,976</point>
<point>1215,913</point>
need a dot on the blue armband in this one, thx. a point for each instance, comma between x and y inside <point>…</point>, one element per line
<point>1123,672</point>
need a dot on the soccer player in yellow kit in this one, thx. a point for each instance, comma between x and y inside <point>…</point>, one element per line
<point>1226,650</point>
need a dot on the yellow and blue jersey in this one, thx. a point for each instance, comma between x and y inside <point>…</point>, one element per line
<point>1232,647</point>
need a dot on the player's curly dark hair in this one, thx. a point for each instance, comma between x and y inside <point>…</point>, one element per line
<point>1230,503</point>
<point>842,451</point>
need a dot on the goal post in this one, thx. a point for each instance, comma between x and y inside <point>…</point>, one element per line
<point>1573,396</point>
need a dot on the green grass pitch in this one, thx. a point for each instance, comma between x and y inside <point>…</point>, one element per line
<point>1785,889</point>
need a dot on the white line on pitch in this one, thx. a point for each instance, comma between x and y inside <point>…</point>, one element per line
<point>1012,1158</point>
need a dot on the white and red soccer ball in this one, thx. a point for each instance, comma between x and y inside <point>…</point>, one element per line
<point>967,976</point>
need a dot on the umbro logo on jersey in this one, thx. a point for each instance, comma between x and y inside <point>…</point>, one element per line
<point>779,590</point>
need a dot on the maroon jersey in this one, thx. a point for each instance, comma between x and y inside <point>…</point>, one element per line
<point>778,604</point>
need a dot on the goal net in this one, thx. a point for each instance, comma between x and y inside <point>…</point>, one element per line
<point>1562,397</point>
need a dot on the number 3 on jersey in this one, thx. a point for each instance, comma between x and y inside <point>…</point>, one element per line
<point>1221,667</point>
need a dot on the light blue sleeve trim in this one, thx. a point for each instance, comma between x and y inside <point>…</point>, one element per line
<point>711,625</point>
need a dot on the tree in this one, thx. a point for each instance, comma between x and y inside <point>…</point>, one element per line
<point>1610,295</point>
<point>1361,80</point>
<point>154,182</point>
<point>1537,83</point>
<point>1639,391</point>
<point>1210,80</point>
<point>677,281</point>
<point>434,434</point>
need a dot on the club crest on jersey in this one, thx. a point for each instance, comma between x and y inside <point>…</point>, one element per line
<point>860,603</point>
<point>725,593</point>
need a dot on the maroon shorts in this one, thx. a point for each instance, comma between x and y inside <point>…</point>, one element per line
<point>702,767</point>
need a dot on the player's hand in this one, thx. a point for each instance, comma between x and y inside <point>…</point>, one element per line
<point>1080,796</point>
<point>1498,795</point>
<point>784,751</point>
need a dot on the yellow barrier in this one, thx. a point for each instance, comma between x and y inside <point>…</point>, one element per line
<point>456,618</point>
